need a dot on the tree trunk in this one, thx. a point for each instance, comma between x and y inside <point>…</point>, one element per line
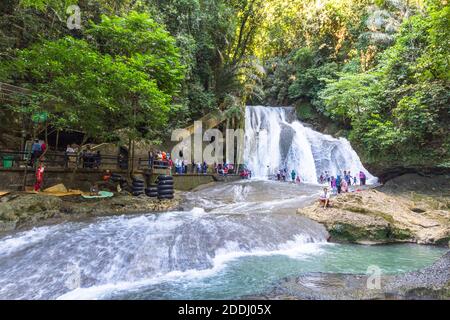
<point>57,140</point>
<point>129,157</point>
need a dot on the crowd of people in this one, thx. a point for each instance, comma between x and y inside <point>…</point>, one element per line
<point>339,185</point>
<point>282,175</point>
<point>182,167</point>
<point>90,159</point>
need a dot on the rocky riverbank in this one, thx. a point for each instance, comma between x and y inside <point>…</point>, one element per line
<point>407,209</point>
<point>429,283</point>
<point>21,210</point>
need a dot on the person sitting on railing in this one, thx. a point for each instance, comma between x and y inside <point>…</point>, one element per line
<point>70,151</point>
<point>69,155</point>
<point>205,167</point>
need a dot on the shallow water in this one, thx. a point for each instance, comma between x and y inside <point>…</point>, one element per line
<point>232,240</point>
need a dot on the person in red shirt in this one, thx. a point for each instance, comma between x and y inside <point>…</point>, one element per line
<point>39,177</point>
<point>43,147</point>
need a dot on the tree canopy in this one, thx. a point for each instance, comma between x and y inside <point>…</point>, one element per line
<point>377,70</point>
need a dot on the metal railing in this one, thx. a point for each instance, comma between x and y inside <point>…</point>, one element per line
<point>20,159</point>
<point>94,161</point>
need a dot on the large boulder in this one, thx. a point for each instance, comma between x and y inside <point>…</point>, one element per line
<point>432,282</point>
<point>28,208</point>
<point>371,216</point>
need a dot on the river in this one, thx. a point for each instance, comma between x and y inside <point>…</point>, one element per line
<point>231,240</point>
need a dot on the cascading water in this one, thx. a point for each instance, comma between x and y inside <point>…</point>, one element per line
<point>274,141</point>
<point>99,257</point>
<point>232,239</point>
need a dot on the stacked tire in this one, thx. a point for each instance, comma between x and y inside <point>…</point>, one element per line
<point>116,177</point>
<point>138,186</point>
<point>151,191</point>
<point>165,187</point>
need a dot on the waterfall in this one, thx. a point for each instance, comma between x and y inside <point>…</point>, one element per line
<point>275,140</point>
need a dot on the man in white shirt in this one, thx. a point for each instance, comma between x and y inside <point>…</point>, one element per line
<point>325,198</point>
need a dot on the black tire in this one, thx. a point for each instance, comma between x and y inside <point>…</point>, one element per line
<point>166,193</point>
<point>152,194</point>
<point>164,188</point>
<point>165,182</point>
<point>138,181</point>
<point>137,189</point>
<point>138,185</point>
<point>115,175</point>
<point>168,197</point>
<point>136,194</point>
<point>152,189</point>
<point>164,177</point>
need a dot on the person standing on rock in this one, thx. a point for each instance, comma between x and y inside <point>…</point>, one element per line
<point>344,186</point>
<point>362,178</point>
<point>338,184</point>
<point>333,185</point>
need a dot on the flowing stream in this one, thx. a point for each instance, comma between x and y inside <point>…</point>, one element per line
<point>231,240</point>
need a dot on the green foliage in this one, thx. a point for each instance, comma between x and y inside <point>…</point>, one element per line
<point>379,69</point>
<point>114,82</point>
<point>399,112</point>
<point>352,95</point>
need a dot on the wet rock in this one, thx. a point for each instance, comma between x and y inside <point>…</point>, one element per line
<point>29,207</point>
<point>27,210</point>
<point>429,283</point>
<point>371,216</point>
